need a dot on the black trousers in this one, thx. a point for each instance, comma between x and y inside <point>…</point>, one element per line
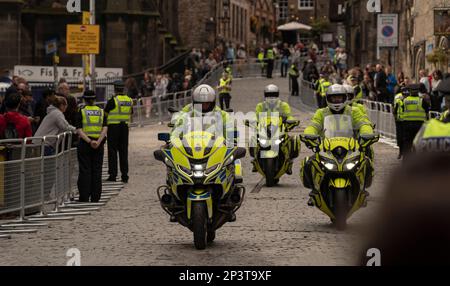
<point>225,100</point>
<point>118,135</point>
<point>90,163</point>
<point>409,133</point>
<point>270,66</point>
<point>295,87</point>
<point>399,130</point>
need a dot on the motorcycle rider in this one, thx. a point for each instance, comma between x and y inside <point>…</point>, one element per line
<point>337,102</point>
<point>203,105</point>
<point>273,104</point>
<point>352,101</point>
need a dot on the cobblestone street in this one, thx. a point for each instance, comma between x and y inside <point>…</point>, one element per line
<point>274,226</point>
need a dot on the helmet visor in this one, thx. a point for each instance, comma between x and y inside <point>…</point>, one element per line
<point>337,98</point>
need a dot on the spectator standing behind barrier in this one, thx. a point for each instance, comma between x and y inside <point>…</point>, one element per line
<point>118,110</point>
<point>131,88</point>
<point>54,124</point>
<point>436,99</point>
<point>27,107</point>
<point>72,105</point>
<point>424,79</point>
<point>147,89</point>
<point>368,88</point>
<point>381,84</point>
<point>91,124</point>
<point>285,55</point>
<point>16,126</point>
<point>48,97</point>
<point>391,81</point>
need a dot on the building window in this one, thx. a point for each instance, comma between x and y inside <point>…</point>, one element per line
<point>306,4</point>
<point>283,6</point>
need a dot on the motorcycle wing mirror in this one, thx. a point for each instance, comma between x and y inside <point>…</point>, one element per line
<point>240,153</point>
<point>164,137</point>
<point>172,109</point>
<point>159,155</point>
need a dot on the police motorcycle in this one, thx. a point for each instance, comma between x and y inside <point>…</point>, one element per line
<point>204,181</point>
<point>341,169</point>
<point>272,148</point>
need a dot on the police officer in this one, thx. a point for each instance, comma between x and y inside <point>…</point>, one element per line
<point>91,126</point>
<point>273,104</point>
<point>294,74</point>
<point>414,113</point>
<point>337,102</point>
<point>119,109</point>
<point>398,107</point>
<point>270,58</point>
<point>433,137</point>
<point>225,91</point>
<point>325,84</point>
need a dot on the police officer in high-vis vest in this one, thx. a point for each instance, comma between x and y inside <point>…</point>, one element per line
<point>323,89</point>
<point>398,115</point>
<point>91,126</point>
<point>119,109</point>
<point>225,91</point>
<point>413,114</point>
<point>270,58</point>
<point>294,74</point>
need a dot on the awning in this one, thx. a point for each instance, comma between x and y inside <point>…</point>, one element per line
<point>294,26</point>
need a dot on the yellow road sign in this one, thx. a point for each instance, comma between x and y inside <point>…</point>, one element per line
<point>83,39</point>
<point>86,18</point>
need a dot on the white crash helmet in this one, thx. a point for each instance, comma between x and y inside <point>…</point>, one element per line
<point>204,95</point>
<point>350,92</point>
<point>271,91</point>
<point>337,97</point>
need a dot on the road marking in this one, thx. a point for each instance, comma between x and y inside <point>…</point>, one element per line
<point>259,186</point>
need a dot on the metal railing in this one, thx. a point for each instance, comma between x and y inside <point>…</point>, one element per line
<point>35,181</point>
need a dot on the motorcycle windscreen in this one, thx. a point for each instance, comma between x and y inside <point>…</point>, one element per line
<point>211,122</point>
<point>338,126</point>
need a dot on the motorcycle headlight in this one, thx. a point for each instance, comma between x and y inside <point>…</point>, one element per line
<point>330,166</point>
<point>351,164</point>
<point>263,142</point>
<point>199,174</point>
<point>279,141</point>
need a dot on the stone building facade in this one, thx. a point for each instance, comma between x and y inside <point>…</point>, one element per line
<point>204,23</point>
<point>416,35</point>
<point>135,35</point>
<point>314,11</point>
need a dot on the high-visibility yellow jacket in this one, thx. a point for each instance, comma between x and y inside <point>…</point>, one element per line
<point>122,112</point>
<point>92,121</point>
<point>413,109</point>
<point>360,121</point>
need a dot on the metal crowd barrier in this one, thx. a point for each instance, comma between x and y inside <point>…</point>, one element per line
<point>35,185</point>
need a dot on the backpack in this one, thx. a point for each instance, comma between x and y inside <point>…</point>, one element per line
<point>11,131</point>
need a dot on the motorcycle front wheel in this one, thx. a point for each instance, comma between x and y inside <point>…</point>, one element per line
<point>340,210</point>
<point>199,224</point>
<point>270,173</point>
